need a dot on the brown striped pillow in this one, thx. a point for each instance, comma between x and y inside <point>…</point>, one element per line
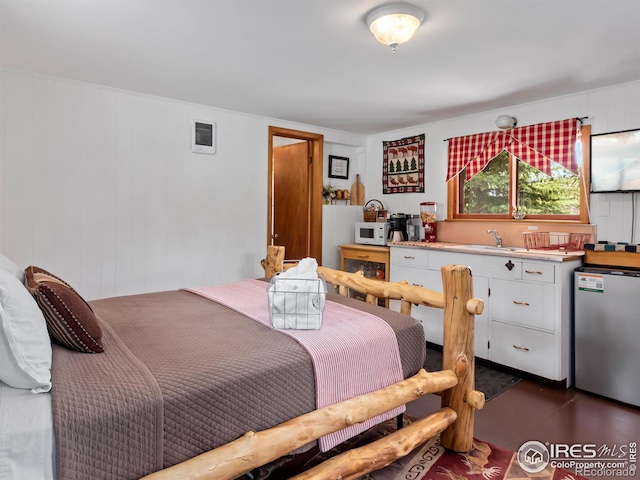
<point>70,320</point>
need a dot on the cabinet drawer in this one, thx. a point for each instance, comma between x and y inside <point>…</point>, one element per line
<point>364,256</point>
<point>415,276</point>
<point>415,257</point>
<point>538,272</point>
<point>525,349</point>
<point>523,303</point>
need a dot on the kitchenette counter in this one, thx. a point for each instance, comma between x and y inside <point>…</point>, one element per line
<point>526,321</point>
<point>557,255</point>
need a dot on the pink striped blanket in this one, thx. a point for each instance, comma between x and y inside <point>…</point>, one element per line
<point>353,353</point>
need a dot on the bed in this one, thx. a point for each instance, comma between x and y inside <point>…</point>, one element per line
<point>26,434</point>
<point>179,375</point>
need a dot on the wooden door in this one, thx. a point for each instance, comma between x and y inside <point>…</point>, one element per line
<point>302,223</point>
<point>291,199</point>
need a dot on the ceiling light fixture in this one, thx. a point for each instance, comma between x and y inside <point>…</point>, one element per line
<point>394,24</point>
<point>505,122</point>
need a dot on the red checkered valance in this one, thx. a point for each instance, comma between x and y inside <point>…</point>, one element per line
<point>538,145</point>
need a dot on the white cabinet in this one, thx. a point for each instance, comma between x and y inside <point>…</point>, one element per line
<point>422,267</point>
<point>527,305</point>
<point>528,350</point>
<point>523,303</point>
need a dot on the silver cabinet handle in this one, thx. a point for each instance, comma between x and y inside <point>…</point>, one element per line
<point>533,272</point>
<point>409,258</point>
<point>517,347</point>
<point>521,303</point>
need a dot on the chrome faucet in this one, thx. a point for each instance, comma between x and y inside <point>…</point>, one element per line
<point>496,237</point>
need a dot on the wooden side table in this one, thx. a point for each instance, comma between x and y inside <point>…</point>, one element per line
<point>353,255</point>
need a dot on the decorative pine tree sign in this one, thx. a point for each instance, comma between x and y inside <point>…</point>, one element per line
<point>403,165</point>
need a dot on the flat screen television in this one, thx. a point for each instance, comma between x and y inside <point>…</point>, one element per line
<point>615,162</point>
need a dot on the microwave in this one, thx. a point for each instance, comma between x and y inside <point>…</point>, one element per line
<point>372,233</point>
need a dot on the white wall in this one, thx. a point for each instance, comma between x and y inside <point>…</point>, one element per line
<point>99,186</point>
<point>609,109</point>
<point>338,223</point>
<point>357,163</point>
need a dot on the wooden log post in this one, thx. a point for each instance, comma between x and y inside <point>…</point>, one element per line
<point>372,299</point>
<point>274,262</point>
<point>458,355</point>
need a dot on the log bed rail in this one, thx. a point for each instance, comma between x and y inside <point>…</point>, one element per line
<point>454,421</point>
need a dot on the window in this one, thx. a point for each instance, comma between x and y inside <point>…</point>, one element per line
<point>508,185</point>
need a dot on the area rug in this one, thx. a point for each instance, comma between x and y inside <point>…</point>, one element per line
<point>430,461</point>
<point>488,380</point>
<point>484,461</point>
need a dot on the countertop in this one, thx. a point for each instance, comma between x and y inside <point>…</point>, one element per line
<point>556,255</point>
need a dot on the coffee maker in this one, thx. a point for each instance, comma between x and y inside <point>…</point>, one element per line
<point>398,227</point>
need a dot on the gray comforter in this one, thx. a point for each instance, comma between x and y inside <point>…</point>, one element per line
<point>181,375</point>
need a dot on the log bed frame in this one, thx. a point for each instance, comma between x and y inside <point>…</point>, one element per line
<point>454,421</point>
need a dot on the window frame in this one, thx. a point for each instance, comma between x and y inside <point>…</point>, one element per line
<point>454,186</point>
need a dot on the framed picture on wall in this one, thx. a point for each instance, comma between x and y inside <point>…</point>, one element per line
<point>338,167</point>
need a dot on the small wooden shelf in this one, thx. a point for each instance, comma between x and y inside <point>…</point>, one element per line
<point>612,259</point>
<point>366,254</point>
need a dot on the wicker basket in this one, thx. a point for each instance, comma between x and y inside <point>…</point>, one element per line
<point>372,210</point>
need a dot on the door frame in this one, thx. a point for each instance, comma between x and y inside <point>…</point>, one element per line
<point>316,144</point>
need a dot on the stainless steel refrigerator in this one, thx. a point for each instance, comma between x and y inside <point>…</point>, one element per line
<point>607,332</point>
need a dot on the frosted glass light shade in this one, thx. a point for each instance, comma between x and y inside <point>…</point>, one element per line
<point>506,121</point>
<point>393,25</point>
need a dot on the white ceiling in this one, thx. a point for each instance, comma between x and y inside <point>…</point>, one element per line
<point>315,62</point>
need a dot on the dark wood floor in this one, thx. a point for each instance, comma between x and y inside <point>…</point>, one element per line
<point>532,410</point>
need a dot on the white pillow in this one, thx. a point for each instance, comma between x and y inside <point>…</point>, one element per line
<point>25,346</point>
<point>10,266</point>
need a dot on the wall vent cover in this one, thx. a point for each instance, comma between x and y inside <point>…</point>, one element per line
<point>203,136</point>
